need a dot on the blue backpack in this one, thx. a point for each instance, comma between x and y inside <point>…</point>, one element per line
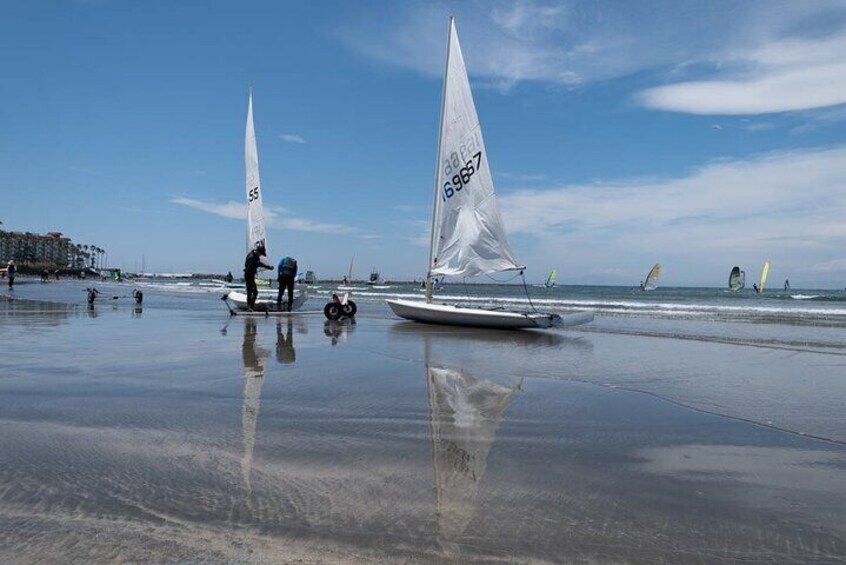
<point>288,266</point>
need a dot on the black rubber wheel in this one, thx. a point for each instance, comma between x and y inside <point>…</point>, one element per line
<point>332,311</point>
<point>349,309</point>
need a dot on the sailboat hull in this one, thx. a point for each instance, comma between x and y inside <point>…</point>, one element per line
<point>266,300</point>
<point>451,315</point>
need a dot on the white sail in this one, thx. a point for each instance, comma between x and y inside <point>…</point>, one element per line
<point>255,210</point>
<point>468,235</point>
<point>736,279</point>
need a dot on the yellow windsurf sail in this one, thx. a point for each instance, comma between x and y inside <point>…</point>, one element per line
<point>764,272</point>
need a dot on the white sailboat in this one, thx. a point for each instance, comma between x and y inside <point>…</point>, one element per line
<point>256,232</point>
<point>468,236</point>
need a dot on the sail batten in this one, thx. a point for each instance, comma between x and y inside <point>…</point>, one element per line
<point>468,234</point>
<point>256,232</point>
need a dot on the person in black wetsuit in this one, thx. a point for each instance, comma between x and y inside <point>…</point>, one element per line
<point>287,272</point>
<point>251,267</point>
<point>11,271</point>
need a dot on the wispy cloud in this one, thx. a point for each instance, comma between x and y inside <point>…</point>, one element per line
<point>291,138</point>
<point>723,210</point>
<point>779,76</point>
<point>833,266</point>
<point>726,57</point>
<point>229,209</point>
<point>276,217</point>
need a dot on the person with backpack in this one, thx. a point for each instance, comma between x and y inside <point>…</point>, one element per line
<point>286,273</point>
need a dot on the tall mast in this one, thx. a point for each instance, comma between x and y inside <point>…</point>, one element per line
<point>435,196</point>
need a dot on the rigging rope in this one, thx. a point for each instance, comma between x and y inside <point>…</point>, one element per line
<point>526,288</point>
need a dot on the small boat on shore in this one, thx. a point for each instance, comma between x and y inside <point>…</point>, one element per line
<point>468,236</point>
<point>256,232</point>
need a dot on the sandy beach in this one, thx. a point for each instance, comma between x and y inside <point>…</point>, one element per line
<point>174,435</point>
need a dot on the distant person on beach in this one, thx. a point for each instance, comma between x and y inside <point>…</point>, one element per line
<point>11,271</point>
<point>251,267</point>
<point>286,273</point>
<point>229,278</point>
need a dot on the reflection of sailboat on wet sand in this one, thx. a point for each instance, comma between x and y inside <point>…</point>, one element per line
<point>464,414</point>
<point>255,359</point>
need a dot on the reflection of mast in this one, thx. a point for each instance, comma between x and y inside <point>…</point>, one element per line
<point>254,365</point>
<point>464,414</point>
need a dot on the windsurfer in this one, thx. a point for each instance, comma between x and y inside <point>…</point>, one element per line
<point>286,273</point>
<point>251,267</point>
<point>755,288</point>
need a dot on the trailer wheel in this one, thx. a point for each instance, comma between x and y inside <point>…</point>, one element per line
<point>332,311</point>
<point>349,309</point>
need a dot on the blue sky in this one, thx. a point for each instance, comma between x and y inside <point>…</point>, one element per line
<point>701,135</point>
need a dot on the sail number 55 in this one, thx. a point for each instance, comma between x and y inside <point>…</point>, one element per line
<point>253,194</point>
<point>462,176</point>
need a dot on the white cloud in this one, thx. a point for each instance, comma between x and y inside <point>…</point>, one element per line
<point>781,76</point>
<point>788,207</point>
<point>230,209</point>
<point>726,57</point>
<point>506,42</point>
<point>276,217</point>
<point>291,138</point>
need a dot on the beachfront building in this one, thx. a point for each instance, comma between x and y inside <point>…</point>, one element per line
<point>46,251</point>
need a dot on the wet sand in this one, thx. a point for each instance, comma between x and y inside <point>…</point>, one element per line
<point>184,436</point>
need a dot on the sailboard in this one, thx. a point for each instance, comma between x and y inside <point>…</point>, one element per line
<point>651,282</point>
<point>737,279</point>
<point>468,236</point>
<point>550,280</point>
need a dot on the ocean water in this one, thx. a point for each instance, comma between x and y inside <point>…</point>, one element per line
<point>682,426</point>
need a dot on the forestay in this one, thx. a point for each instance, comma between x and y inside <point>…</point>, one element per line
<point>255,210</point>
<point>468,235</point>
